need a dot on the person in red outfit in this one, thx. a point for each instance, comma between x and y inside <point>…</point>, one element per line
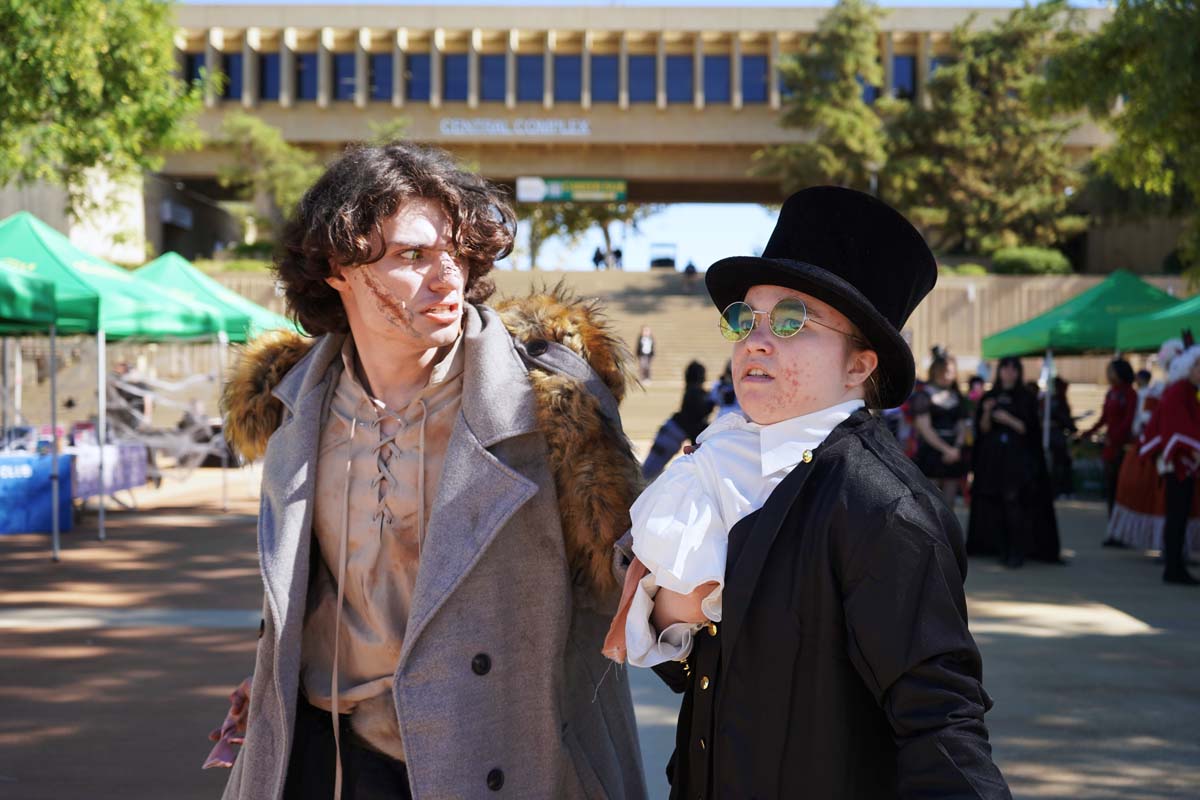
<point>1120,408</point>
<point>1173,437</point>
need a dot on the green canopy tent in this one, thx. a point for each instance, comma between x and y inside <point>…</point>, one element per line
<point>97,297</point>
<point>28,305</point>
<point>241,318</point>
<point>1147,332</point>
<point>1087,323</point>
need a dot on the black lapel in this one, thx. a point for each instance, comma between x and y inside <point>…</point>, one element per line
<point>741,577</point>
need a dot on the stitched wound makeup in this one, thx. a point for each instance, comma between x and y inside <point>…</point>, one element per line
<point>393,310</point>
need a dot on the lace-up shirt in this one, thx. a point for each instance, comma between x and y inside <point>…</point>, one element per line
<point>377,476</point>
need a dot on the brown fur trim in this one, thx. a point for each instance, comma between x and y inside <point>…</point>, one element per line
<point>251,412</point>
<point>596,474</point>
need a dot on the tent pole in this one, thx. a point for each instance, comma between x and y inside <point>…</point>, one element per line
<point>101,413</point>
<point>222,346</point>
<point>54,487</point>
<point>1046,412</point>
<point>4,381</point>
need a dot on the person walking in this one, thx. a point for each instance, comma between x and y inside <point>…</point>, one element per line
<point>645,352</point>
<point>443,483</point>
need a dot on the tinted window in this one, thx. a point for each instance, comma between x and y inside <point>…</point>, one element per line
<point>343,76</point>
<point>193,64</point>
<point>716,79</point>
<point>531,73</point>
<point>416,76</point>
<point>679,79</point>
<point>491,77</point>
<point>306,76</point>
<point>754,79</point>
<point>454,76</point>
<point>268,76</point>
<point>233,76</point>
<point>381,75</point>
<point>642,86</point>
<point>904,76</point>
<point>606,79</point>
<point>568,78</point>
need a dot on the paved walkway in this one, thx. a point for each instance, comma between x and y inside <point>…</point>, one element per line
<point>117,660</point>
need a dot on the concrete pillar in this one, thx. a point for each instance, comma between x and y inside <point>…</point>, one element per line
<point>362,67</point>
<point>399,84</point>
<point>698,71</point>
<point>623,72</point>
<point>735,72</point>
<point>251,46</point>
<point>773,71</point>
<point>436,46</point>
<point>325,44</point>
<point>585,71</point>
<point>660,71</point>
<point>889,64</point>
<point>213,44</point>
<point>287,68</point>
<point>924,49</point>
<point>474,45</point>
<point>548,70</point>
<point>510,68</point>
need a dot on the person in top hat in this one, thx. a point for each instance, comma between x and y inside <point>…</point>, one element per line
<point>796,577</point>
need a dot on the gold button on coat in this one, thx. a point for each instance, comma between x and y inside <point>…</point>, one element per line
<point>704,682</point>
<point>702,745</point>
<point>712,629</point>
<point>806,456</point>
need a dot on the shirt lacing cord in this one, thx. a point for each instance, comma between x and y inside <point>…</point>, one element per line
<point>383,451</point>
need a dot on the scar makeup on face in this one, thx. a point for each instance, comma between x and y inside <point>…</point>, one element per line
<point>393,310</point>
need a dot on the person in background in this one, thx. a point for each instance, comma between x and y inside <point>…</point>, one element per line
<point>723,394</point>
<point>1172,437</point>
<point>1011,513</point>
<point>1120,408</point>
<point>645,352</point>
<point>939,418</point>
<point>1141,380</point>
<point>686,424</point>
<point>1062,428</point>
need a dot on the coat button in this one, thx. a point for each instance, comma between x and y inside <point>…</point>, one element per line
<point>702,745</point>
<point>481,664</point>
<point>704,683</point>
<point>537,347</point>
<point>495,780</point>
<point>711,628</point>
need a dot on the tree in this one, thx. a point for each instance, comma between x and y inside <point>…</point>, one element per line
<point>85,84</point>
<point>825,88</point>
<point>604,215</point>
<point>1138,76</point>
<point>981,166</point>
<point>265,164</point>
<point>547,221</point>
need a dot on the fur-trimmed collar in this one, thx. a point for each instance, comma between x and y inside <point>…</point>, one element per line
<point>596,474</point>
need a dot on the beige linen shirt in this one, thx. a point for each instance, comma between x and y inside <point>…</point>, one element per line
<point>373,464</point>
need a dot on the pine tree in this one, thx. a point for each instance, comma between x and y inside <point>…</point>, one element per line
<point>979,165</point>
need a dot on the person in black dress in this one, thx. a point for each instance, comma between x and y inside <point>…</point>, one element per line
<point>684,425</point>
<point>840,665</point>
<point>939,415</point>
<point>1012,507</point>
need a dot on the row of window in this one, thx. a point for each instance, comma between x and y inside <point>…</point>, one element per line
<point>530,77</point>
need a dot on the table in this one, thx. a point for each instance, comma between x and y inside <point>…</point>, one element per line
<point>25,497</point>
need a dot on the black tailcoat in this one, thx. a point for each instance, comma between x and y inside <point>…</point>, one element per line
<point>843,668</point>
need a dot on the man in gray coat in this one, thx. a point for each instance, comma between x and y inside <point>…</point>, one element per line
<point>442,487</point>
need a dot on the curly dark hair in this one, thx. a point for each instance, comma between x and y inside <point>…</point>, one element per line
<point>339,221</point>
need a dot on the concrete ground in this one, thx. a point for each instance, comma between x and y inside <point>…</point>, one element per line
<point>117,660</point>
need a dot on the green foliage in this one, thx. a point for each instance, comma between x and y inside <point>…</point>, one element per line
<point>264,163</point>
<point>393,130</point>
<point>1030,261</point>
<point>547,221</point>
<point>970,270</point>
<point>1144,62</point>
<point>89,83</point>
<point>826,98</point>
<point>980,165</point>
<point>217,265</point>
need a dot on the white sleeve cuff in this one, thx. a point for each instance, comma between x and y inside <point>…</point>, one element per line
<point>644,647</point>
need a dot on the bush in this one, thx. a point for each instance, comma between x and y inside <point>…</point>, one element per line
<point>1030,261</point>
<point>262,250</point>
<point>970,270</point>
<point>212,266</point>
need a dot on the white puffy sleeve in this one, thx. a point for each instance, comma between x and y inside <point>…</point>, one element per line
<point>679,534</point>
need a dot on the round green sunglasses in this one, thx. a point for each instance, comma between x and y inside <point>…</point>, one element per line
<point>786,319</point>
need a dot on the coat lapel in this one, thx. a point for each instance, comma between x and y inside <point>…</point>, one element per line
<point>741,577</point>
<point>477,493</point>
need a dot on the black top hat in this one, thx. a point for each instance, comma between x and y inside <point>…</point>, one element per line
<point>855,253</point>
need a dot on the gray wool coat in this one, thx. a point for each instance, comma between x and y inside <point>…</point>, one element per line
<point>493,580</point>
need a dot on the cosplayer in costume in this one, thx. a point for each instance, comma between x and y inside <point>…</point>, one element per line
<point>1138,514</point>
<point>1172,441</point>
<point>1117,416</point>
<point>796,577</point>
